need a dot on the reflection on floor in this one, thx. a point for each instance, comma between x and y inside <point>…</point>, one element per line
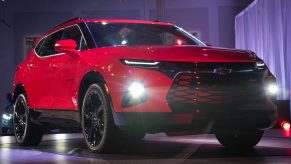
<point>69,148</point>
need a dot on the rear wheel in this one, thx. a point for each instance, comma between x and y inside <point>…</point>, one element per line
<point>26,132</point>
<point>97,121</point>
<point>239,140</point>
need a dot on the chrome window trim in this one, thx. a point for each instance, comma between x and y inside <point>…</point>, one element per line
<point>53,33</point>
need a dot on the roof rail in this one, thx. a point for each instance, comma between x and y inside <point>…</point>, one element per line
<point>77,18</point>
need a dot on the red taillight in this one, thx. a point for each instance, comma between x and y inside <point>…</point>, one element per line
<point>285,125</point>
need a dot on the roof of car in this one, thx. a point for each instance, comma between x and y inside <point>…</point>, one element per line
<point>79,20</point>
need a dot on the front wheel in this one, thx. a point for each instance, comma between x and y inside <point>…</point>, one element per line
<point>26,132</point>
<point>97,121</point>
<point>239,140</point>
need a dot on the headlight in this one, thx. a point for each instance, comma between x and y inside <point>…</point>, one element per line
<point>272,89</point>
<point>6,116</point>
<point>135,94</point>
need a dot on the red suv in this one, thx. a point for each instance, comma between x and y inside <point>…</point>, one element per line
<point>124,78</point>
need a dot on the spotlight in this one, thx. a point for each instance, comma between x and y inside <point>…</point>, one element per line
<point>285,126</point>
<point>104,23</point>
<point>179,42</point>
<point>7,116</point>
<point>123,42</point>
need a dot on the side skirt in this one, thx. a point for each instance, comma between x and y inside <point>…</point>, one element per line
<point>56,118</point>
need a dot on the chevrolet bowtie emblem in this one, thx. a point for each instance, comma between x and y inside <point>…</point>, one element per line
<point>222,71</point>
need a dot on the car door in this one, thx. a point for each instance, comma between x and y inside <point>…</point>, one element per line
<point>35,68</point>
<point>40,92</point>
<point>65,72</point>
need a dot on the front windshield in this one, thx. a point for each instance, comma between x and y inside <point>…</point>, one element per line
<point>133,34</point>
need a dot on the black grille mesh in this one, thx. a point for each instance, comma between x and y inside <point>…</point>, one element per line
<point>200,89</point>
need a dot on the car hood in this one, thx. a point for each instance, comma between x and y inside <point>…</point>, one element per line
<point>185,53</point>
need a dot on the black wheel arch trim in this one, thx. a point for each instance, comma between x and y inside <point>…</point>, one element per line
<point>95,77</point>
<point>18,89</point>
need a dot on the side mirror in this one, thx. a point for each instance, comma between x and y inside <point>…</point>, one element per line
<point>68,46</point>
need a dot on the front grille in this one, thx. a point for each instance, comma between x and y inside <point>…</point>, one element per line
<point>172,68</point>
<point>200,88</point>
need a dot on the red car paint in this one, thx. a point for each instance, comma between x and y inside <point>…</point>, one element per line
<point>53,82</point>
<point>117,78</point>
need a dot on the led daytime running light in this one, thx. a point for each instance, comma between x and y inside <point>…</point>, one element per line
<point>260,64</point>
<point>140,62</point>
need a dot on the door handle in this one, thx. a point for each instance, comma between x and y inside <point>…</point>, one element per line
<point>53,66</point>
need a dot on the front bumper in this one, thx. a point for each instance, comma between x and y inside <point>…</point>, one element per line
<point>245,116</point>
<point>190,96</point>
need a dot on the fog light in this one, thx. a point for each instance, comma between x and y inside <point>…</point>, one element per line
<point>135,94</point>
<point>272,89</point>
<point>136,90</point>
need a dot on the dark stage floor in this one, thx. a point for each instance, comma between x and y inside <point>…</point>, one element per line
<point>70,148</point>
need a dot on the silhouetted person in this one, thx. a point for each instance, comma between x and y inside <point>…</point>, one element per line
<point>6,122</point>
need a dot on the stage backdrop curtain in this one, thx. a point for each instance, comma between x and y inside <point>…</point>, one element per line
<point>265,28</point>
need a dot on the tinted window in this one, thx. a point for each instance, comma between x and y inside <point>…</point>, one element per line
<point>48,47</point>
<point>74,33</point>
<point>39,45</point>
<point>131,34</point>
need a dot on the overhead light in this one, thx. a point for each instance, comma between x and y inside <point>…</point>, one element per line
<point>123,42</point>
<point>179,42</point>
<point>104,23</point>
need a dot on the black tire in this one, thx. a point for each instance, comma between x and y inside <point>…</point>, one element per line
<point>26,132</point>
<point>97,122</point>
<point>239,140</point>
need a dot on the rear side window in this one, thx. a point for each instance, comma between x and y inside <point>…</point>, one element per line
<point>74,33</point>
<point>48,45</point>
<point>39,45</point>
